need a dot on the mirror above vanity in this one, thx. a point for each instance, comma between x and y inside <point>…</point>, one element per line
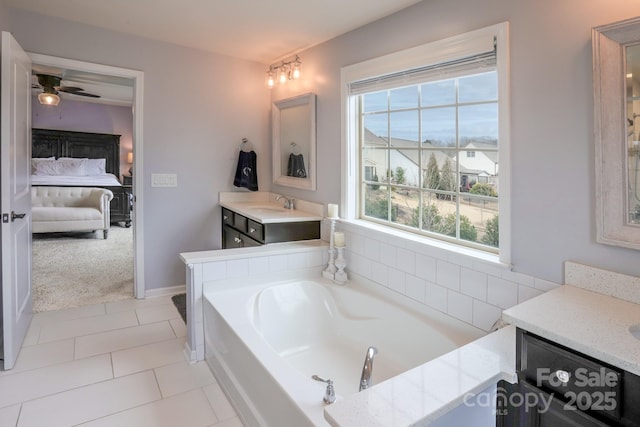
<point>616,85</point>
<point>293,123</point>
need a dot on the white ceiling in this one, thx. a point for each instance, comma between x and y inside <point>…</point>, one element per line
<point>264,31</point>
<point>258,30</point>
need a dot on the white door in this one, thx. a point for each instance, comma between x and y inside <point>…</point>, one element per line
<point>15,194</point>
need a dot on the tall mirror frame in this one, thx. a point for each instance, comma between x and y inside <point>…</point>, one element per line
<point>612,150</point>
<point>293,126</point>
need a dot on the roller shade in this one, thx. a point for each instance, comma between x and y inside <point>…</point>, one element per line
<point>483,61</point>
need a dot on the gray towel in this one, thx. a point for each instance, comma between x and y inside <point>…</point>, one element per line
<point>295,166</point>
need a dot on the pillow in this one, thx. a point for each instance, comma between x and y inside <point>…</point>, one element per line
<point>37,160</point>
<point>71,167</point>
<point>44,167</point>
<point>96,166</point>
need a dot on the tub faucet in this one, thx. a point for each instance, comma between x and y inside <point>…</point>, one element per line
<point>330,393</point>
<point>367,368</point>
<point>288,202</point>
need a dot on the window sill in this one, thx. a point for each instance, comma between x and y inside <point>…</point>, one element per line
<point>448,248</point>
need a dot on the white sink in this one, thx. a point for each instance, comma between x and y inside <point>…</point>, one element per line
<point>635,330</point>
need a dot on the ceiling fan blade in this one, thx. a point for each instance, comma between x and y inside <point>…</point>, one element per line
<point>72,92</point>
<point>69,89</point>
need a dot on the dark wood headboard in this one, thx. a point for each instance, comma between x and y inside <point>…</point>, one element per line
<point>64,143</point>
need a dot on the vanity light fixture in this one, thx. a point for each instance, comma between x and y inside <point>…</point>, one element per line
<point>284,72</point>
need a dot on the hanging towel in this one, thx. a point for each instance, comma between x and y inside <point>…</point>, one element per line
<point>247,172</point>
<point>295,167</point>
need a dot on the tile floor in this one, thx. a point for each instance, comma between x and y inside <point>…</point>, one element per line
<point>115,364</point>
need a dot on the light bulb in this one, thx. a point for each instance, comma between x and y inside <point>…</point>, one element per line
<point>282,78</point>
<point>48,99</point>
<point>295,70</point>
<point>270,80</point>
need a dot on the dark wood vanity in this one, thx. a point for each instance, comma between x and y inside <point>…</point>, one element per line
<point>240,231</point>
<point>558,386</point>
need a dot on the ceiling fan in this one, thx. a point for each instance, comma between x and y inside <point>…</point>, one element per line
<point>51,85</point>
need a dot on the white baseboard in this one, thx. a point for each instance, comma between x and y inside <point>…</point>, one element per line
<point>159,292</point>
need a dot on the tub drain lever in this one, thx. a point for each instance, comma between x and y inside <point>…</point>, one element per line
<point>330,393</point>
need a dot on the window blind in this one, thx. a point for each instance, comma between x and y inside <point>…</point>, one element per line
<point>483,61</point>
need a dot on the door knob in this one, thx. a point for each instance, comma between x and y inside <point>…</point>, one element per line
<point>15,215</point>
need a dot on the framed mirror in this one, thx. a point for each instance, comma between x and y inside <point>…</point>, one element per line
<point>616,85</point>
<point>293,123</point>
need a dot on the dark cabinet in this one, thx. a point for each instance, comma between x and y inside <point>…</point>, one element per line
<point>240,231</point>
<point>121,204</point>
<point>234,239</point>
<point>558,387</point>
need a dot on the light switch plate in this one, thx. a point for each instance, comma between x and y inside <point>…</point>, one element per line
<point>164,180</point>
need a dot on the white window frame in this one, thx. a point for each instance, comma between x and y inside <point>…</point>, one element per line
<point>444,50</point>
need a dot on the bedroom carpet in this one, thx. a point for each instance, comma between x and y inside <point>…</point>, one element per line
<point>77,269</point>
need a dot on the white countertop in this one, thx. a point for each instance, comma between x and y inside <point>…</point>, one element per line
<point>425,393</point>
<point>261,206</point>
<point>591,323</point>
<point>270,212</point>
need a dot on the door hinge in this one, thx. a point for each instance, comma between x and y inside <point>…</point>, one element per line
<point>5,218</point>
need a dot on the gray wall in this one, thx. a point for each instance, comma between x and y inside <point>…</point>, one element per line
<point>551,117</point>
<point>197,107</point>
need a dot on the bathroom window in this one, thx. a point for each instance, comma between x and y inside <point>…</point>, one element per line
<point>434,135</point>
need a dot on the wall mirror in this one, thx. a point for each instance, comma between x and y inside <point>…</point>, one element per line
<point>616,84</point>
<point>293,123</point>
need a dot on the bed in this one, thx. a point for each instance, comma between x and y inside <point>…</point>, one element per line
<point>81,159</point>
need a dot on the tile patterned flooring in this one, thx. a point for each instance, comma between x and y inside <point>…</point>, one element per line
<point>114,364</point>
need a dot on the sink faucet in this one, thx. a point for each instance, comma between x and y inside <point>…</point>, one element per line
<point>288,202</point>
<point>367,368</point>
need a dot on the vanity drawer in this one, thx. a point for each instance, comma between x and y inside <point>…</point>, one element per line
<point>255,230</point>
<point>240,222</point>
<point>227,216</point>
<point>580,381</point>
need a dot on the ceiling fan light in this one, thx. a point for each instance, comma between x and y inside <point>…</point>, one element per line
<point>48,99</point>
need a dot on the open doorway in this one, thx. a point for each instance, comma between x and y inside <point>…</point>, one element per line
<point>122,250</point>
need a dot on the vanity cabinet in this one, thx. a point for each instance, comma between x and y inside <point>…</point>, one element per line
<point>238,231</point>
<point>558,386</point>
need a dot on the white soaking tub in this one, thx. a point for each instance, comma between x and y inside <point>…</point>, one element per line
<point>264,341</point>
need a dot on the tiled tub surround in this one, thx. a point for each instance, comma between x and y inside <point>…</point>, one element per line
<point>465,284</point>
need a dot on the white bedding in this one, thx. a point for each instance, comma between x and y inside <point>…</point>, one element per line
<point>104,180</point>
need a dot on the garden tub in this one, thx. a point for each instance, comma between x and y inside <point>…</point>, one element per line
<point>265,341</point>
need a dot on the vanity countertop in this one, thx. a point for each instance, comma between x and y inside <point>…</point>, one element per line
<point>270,212</point>
<point>261,206</point>
<point>591,323</point>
